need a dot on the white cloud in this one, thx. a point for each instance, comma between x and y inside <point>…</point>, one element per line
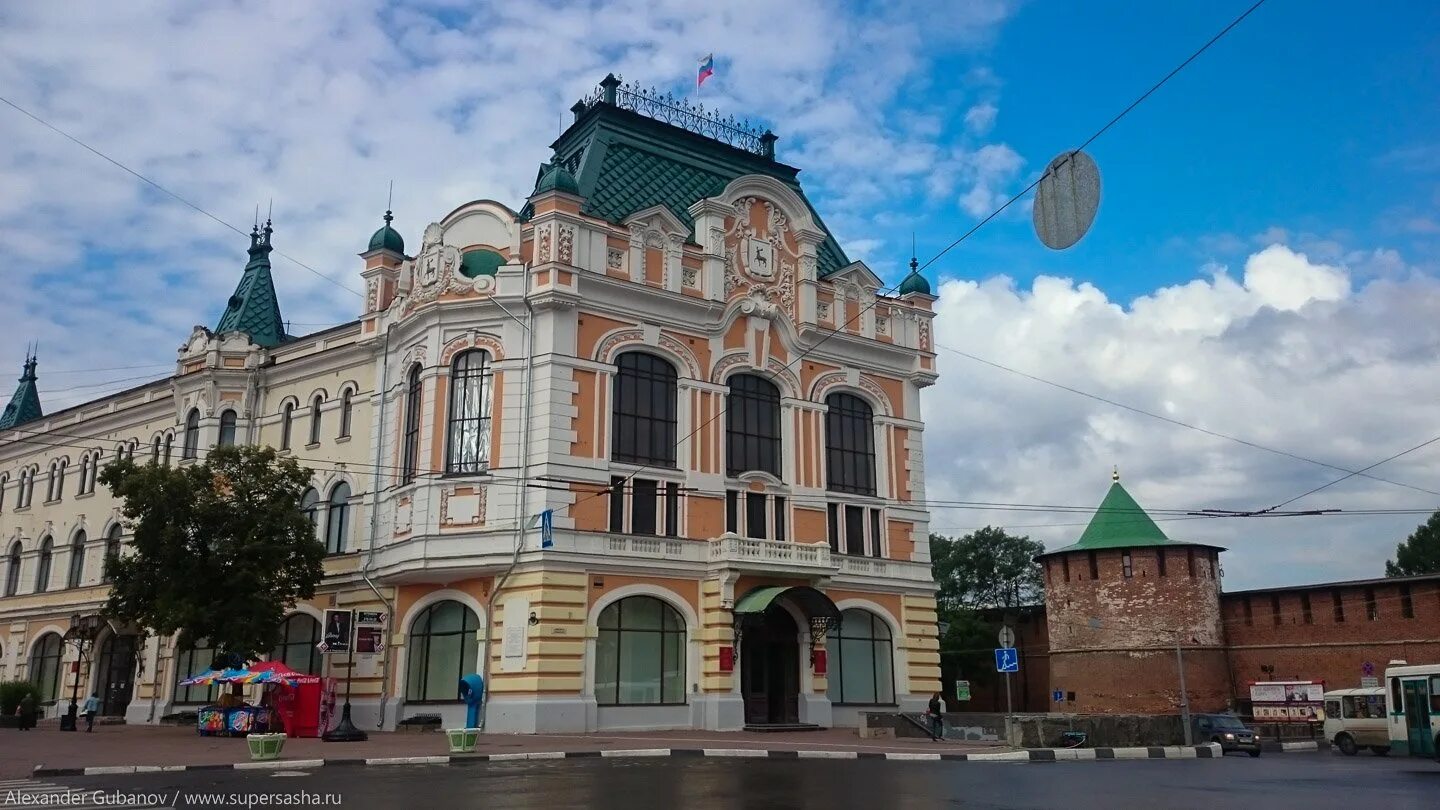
<point>981,117</point>
<point>1293,356</point>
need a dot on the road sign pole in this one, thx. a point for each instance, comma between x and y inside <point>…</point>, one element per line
<point>1184,694</point>
<point>1008,710</point>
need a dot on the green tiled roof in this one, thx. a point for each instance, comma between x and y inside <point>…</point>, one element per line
<point>254,309</point>
<point>25,404</point>
<point>625,162</point>
<point>1121,523</point>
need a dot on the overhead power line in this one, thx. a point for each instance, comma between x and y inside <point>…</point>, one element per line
<point>163,190</point>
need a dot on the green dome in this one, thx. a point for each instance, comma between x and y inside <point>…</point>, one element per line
<point>480,262</point>
<point>387,238</point>
<point>556,178</point>
<point>915,283</point>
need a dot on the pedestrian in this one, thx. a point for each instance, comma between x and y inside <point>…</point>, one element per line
<point>27,712</point>
<point>92,708</point>
<point>936,713</point>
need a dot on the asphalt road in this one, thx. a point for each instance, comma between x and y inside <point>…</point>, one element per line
<point>1309,781</point>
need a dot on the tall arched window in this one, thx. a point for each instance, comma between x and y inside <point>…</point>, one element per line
<point>169,445</point>
<point>468,440</point>
<point>190,447</point>
<point>287,421</point>
<point>298,636</point>
<point>12,569</point>
<point>644,420</point>
<point>337,519</point>
<point>57,479</point>
<point>860,660</point>
<point>84,474</point>
<point>4,482</point>
<point>112,552</point>
<point>442,648</point>
<point>193,660</point>
<point>155,450</point>
<point>45,666</point>
<point>849,445</point>
<point>227,429</point>
<point>42,571</point>
<point>77,560</point>
<point>315,405</point>
<point>410,453</point>
<point>640,653</point>
<point>310,507</point>
<point>26,493</point>
<point>752,426</point>
<point>347,412</point>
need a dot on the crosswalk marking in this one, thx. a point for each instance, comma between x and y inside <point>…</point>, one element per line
<point>35,793</point>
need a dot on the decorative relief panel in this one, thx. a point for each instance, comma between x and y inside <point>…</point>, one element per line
<point>614,259</point>
<point>462,506</point>
<point>471,340</point>
<point>566,252</point>
<point>761,257</point>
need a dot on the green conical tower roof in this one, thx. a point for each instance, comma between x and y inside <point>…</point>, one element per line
<point>1120,522</point>
<point>25,404</point>
<point>254,309</point>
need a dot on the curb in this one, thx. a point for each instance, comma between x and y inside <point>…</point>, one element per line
<point>1032,755</point>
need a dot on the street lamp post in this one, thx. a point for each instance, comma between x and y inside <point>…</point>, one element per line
<point>82,632</point>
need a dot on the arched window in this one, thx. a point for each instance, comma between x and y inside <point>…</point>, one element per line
<point>468,440</point>
<point>112,552</point>
<point>310,507</point>
<point>42,571</point>
<point>22,492</point>
<point>442,648</point>
<point>56,485</point>
<point>91,473</point>
<point>4,482</point>
<point>12,569</point>
<point>860,660</point>
<point>752,426</point>
<point>193,660</point>
<point>337,519</point>
<point>298,636</point>
<point>644,413</point>
<point>191,444</point>
<point>640,653</point>
<point>287,421</point>
<point>155,450</point>
<point>849,445</point>
<point>84,474</point>
<point>45,666</point>
<point>227,429</point>
<point>169,445</point>
<point>347,410</point>
<point>77,560</point>
<point>315,405</point>
<point>410,454</point>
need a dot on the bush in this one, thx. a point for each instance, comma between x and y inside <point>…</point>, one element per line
<point>12,692</point>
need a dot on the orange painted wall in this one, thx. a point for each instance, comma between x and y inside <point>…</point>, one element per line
<point>894,391</point>
<point>688,589</point>
<point>590,329</point>
<point>705,516</point>
<point>591,508</point>
<point>902,539</point>
<point>810,525</point>
<point>654,266</point>
<point>698,345</point>
<point>583,423</point>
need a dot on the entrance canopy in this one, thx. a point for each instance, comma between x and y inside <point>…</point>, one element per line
<point>812,603</point>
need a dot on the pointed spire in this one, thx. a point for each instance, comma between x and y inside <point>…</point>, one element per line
<point>25,404</point>
<point>254,308</point>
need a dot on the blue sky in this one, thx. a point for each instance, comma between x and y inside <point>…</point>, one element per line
<point>1264,263</point>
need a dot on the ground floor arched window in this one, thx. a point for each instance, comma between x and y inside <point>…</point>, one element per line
<point>296,649</point>
<point>45,666</point>
<point>640,653</point>
<point>192,661</point>
<point>442,647</point>
<point>861,659</point>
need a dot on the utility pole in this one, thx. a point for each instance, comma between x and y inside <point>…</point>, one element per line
<point>1184,694</point>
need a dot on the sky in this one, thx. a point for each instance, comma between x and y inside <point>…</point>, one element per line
<point>1263,266</point>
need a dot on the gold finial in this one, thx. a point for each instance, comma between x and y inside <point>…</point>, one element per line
<point>1115,476</point>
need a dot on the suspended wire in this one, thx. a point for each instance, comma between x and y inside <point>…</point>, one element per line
<point>167,192</point>
<point>1178,423</point>
<point>1102,130</point>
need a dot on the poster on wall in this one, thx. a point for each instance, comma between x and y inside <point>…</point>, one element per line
<point>1288,701</point>
<point>338,624</point>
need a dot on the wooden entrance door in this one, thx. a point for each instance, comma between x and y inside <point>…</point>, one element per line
<point>770,669</point>
<point>116,665</point>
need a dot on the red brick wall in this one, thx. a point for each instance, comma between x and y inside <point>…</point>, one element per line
<point>1322,648</point>
<point>1030,687</point>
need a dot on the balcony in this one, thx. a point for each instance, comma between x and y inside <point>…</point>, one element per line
<point>751,554</point>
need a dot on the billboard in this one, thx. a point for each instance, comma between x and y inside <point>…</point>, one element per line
<point>1288,701</point>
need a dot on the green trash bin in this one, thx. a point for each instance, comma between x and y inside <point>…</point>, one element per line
<point>265,746</point>
<point>462,740</point>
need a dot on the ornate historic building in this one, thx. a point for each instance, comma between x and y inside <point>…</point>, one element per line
<point>663,350</point>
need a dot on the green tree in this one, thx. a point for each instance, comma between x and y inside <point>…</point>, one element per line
<point>220,551</point>
<point>1419,553</point>
<point>978,573</point>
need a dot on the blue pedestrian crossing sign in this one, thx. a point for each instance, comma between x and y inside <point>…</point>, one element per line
<point>1007,659</point>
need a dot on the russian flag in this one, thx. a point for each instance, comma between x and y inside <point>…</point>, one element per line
<point>707,69</point>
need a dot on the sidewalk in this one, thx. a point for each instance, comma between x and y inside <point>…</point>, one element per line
<point>48,747</point>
